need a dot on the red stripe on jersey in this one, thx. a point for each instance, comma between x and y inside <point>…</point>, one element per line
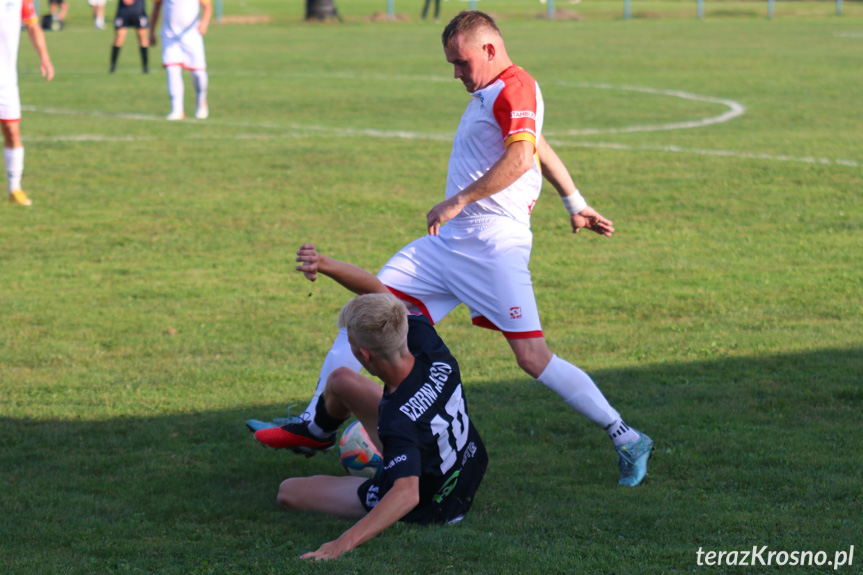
<point>515,107</point>
<point>28,11</point>
<point>411,299</point>
<point>481,321</point>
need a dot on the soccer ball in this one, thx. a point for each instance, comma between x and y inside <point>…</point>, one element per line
<point>358,454</point>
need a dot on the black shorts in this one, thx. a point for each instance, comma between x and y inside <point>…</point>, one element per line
<point>452,501</point>
<point>131,19</point>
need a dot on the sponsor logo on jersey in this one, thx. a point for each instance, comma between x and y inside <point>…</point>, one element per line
<point>469,452</point>
<point>395,461</point>
<point>522,114</point>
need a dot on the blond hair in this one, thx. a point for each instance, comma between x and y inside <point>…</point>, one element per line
<point>377,322</point>
<point>468,23</point>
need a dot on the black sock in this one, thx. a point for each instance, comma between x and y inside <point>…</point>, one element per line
<point>115,52</point>
<point>144,58</point>
<point>324,420</point>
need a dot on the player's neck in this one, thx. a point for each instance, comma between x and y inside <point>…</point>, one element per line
<point>393,374</point>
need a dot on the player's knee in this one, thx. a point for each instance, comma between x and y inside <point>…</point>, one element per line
<point>286,497</point>
<point>532,363</point>
<point>339,379</point>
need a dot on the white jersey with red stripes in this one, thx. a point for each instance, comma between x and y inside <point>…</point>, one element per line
<point>12,16</point>
<point>480,258</point>
<point>508,110</point>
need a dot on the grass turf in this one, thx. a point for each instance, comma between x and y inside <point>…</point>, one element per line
<point>150,307</point>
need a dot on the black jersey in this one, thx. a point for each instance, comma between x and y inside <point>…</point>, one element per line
<point>426,432</point>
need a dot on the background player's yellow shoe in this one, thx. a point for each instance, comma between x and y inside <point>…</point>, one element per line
<point>20,198</point>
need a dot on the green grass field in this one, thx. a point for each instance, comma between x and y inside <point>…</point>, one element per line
<point>148,303</point>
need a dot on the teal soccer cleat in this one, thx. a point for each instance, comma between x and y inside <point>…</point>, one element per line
<point>632,460</point>
<point>256,424</point>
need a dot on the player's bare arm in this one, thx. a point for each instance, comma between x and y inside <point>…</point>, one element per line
<point>554,170</point>
<point>204,18</point>
<point>154,21</point>
<point>37,38</point>
<point>350,276</point>
<point>516,160</point>
<point>401,499</point>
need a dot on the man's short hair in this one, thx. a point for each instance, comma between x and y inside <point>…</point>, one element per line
<point>468,23</point>
<point>377,322</point>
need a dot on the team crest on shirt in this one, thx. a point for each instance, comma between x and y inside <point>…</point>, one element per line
<point>515,312</point>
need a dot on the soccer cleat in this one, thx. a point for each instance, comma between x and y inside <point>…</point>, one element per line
<point>257,424</point>
<point>632,460</point>
<point>203,112</point>
<point>296,437</point>
<point>20,198</point>
<point>175,116</point>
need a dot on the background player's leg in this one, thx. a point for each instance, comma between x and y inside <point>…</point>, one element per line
<point>119,38</point>
<point>175,92</point>
<point>201,81</point>
<point>143,46</point>
<point>13,158</point>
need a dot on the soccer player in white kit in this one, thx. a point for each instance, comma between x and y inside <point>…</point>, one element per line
<point>184,23</point>
<point>17,12</point>
<point>480,258</point>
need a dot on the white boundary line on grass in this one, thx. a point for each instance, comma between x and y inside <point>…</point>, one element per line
<point>735,110</point>
<point>433,137</point>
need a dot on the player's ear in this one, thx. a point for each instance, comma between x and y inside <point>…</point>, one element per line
<point>489,49</point>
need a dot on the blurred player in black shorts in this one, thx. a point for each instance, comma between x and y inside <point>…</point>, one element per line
<point>131,14</point>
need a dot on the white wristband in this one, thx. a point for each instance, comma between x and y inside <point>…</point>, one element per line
<point>574,203</point>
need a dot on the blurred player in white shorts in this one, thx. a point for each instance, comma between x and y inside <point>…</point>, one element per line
<point>183,27</point>
<point>18,13</point>
<point>98,13</point>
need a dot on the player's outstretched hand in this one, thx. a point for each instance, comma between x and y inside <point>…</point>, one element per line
<point>331,550</point>
<point>591,219</point>
<point>308,255</point>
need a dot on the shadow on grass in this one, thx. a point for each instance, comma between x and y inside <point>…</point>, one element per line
<point>749,451</point>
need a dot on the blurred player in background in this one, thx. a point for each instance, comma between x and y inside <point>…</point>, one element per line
<point>59,10</point>
<point>131,14</point>
<point>184,23</point>
<point>18,12</point>
<point>98,13</point>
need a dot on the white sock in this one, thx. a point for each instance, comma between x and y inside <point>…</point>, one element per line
<point>340,355</point>
<point>581,393</point>
<point>201,81</point>
<point>14,160</point>
<point>175,88</point>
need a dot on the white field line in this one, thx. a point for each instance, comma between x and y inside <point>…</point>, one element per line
<point>298,130</point>
<point>735,109</point>
<point>848,34</point>
<point>707,152</point>
<point>327,132</point>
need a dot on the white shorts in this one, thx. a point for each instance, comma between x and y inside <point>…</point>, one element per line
<point>186,50</point>
<point>96,2</point>
<point>482,264</point>
<point>10,103</point>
